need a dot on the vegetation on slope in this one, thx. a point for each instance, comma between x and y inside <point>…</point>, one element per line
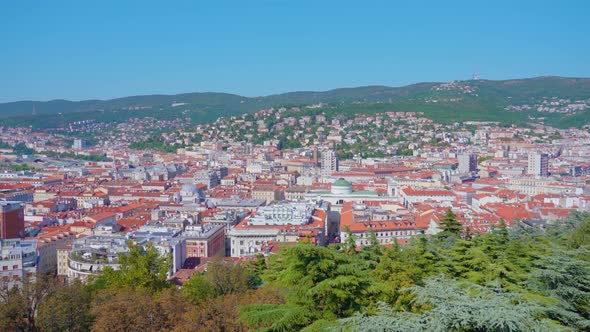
<point>486,102</point>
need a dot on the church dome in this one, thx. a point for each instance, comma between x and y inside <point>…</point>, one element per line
<point>188,189</point>
<point>341,187</point>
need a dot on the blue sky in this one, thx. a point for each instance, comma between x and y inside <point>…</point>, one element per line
<point>105,49</point>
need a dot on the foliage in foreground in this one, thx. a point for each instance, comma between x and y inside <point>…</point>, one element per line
<point>520,279</point>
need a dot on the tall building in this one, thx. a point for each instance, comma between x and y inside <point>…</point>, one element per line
<point>329,163</point>
<point>12,220</point>
<point>18,260</point>
<point>315,155</point>
<point>467,162</point>
<point>538,164</point>
<point>78,144</point>
<point>210,178</point>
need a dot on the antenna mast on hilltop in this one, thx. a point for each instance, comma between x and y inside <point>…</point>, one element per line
<point>34,110</point>
<point>475,76</point>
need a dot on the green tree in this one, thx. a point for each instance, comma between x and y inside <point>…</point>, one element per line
<point>397,272</point>
<point>450,225</point>
<point>19,305</point>
<point>227,277</point>
<point>67,309</point>
<point>127,310</point>
<point>581,235</point>
<point>350,242</point>
<point>565,280</point>
<point>198,289</point>
<point>142,267</point>
<point>456,306</point>
<point>320,283</point>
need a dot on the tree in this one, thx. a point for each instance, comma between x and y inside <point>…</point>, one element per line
<point>456,306</point>
<point>350,242</point>
<point>397,273</point>
<point>227,277</point>
<point>565,280</point>
<point>142,267</point>
<point>67,309</point>
<point>19,304</point>
<point>198,289</point>
<point>321,283</point>
<point>127,309</point>
<point>450,224</point>
<point>173,306</point>
<point>221,278</point>
<point>371,252</point>
<point>581,235</point>
<point>502,231</point>
<point>222,313</point>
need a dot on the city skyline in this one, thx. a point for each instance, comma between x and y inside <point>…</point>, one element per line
<point>276,165</point>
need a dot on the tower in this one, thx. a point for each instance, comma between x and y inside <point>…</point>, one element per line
<point>467,162</point>
<point>315,155</point>
<point>329,163</point>
<point>538,164</point>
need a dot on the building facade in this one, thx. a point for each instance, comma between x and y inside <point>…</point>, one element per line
<point>538,164</point>
<point>18,260</point>
<point>467,162</point>
<point>12,220</point>
<point>329,163</point>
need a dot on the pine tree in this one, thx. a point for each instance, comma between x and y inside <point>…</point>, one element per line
<point>373,250</point>
<point>450,224</point>
<point>502,231</point>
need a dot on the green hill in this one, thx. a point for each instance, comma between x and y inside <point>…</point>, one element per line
<point>454,101</point>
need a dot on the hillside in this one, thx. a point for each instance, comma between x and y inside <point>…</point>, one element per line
<point>511,100</point>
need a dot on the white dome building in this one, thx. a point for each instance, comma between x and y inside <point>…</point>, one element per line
<point>341,187</point>
<point>189,193</point>
<point>341,191</point>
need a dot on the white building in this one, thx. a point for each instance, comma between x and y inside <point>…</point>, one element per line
<point>78,144</point>
<point>442,196</point>
<point>282,214</point>
<point>341,191</point>
<point>329,163</point>
<point>467,162</point>
<point>18,259</point>
<point>538,164</point>
<point>90,255</point>
<point>282,222</point>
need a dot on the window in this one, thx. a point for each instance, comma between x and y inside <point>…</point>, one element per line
<point>5,268</point>
<point>14,267</point>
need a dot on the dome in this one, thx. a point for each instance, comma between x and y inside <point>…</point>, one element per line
<point>341,187</point>
<point>189,188</point>
<point>342,183</point>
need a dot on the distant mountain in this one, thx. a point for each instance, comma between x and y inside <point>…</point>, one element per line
<point>469,98</point>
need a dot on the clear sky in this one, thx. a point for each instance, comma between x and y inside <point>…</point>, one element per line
<point>104,49</point>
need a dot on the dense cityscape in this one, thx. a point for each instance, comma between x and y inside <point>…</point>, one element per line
<point>77,200</point>
<point>285,166</point>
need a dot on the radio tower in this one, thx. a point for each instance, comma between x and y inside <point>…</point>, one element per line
<point>34,110</point>
<point>475,76</point>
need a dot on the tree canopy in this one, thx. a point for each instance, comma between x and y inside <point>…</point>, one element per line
<point>517,279</point>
